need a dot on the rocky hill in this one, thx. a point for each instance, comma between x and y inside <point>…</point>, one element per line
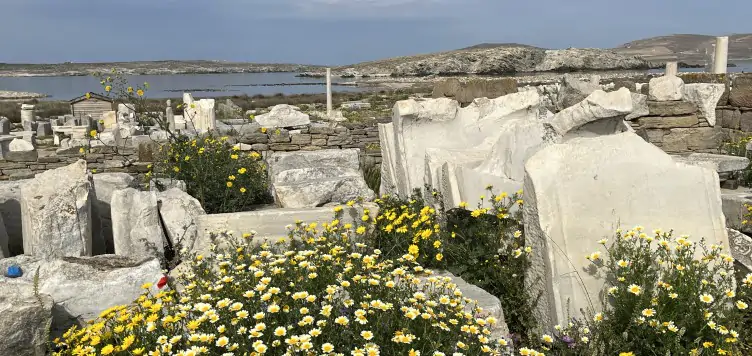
<point>687,48</point>
<point>148,67</point>
<point>495,59</point>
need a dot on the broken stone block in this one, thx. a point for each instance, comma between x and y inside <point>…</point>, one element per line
<point>105,184</point>
<point>705,97</point>
<point>23,320</point>
<point>83,287</point>
<point>716,162</point>
<point>314,178</point>
<point>595,106</point>
<point>741,248</point>
<point>573,91</point>
<point>598,182</point>
<point>56,209</point>
<point>179,211</point>
<point>268,224</point>
<point>136,229</point>
<point>639,106</point>
<point>665,88</point>
<point>283,115</point>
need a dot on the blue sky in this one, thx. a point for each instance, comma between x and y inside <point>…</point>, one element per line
<point>336,32</point>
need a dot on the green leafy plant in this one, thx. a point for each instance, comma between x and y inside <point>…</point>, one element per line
<point>222,178</point>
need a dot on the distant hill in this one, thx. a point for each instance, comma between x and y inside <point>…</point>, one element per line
<point>687,48</point>
<point>497,45</point>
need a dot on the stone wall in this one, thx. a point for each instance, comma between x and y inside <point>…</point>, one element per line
<point>135,160</point>
<point>100,159</point>
<point>317,137</point>
<point>678,127</point>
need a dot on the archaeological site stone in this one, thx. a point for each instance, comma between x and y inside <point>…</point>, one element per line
<point>44,129</point>
<point>307,179</point>
<point>596,106</point>
<point>178,212</point>
<point>82,287</point>
<point>10,209</point>
<point>740,246</point>
<point>639,106</point>
<point>268,224</point>
<point>283,115</point>
<point>56,209</point>
<point>600,184</point>
<point>136,228</point>
<point>741,92</point>
<point>573,90</point>
<point>105,184</point>
<point>23,320</point>
<point>4,126</point>
<point>705,96</point>
<point>665,88</point>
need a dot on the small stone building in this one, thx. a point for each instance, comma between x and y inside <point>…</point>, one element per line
<point>95,105</point>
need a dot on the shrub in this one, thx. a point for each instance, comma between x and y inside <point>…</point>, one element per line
<point>484,246</point>
<point>660,300</point>
<point>326,296</point>
<point>222,178</point>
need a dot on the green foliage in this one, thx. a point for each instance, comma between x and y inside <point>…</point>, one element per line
<point>484,246</point>
<point>223,179</point>
<point>373,178</point>
<point>664,295</point>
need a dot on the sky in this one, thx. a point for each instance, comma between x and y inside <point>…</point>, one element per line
<point>336,32</point>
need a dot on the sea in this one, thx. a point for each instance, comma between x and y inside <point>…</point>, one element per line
<point>212,85</point>
<point>173,86</point>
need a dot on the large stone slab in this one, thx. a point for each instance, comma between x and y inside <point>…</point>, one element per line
<point>705,96</point>
<point>580,191</point>
<point>716,162</point>
<point>83,287</point>
<point>308,179</point>
<point>665,88</point>
<point>283,115</point>
<point>24,321</point>
<point>440,123</point>
<point>667,122</point>
<point>136,229</point>
<point>178,212</point>
<point>269,224</point>
<point>56,209</point>
<point>104,185</point>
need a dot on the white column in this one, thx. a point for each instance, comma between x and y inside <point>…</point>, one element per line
<point>672,68</point>
<point>328,92</point>
<point>720,60</point>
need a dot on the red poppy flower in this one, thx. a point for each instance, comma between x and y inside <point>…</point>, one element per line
<point>162,282</point>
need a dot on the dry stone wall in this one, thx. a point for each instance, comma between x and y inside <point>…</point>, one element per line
<point>134,159</point>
